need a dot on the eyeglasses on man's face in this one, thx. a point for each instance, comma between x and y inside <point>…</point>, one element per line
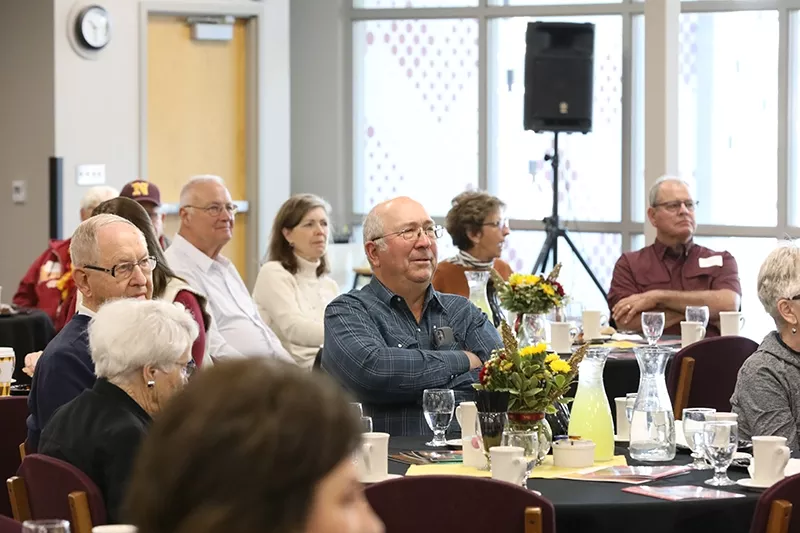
<point>125,270</point>
<point>675,206</point>
<point>413,234</point>
<point>215,210</point>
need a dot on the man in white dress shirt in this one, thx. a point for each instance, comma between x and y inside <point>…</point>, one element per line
<point>207,220</point>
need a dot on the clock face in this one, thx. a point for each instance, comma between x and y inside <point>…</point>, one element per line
<point>94,28</point>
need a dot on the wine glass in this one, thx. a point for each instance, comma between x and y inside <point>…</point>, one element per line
<point>45,526</point>
<point>697,313</point>
<point>630,402</point>
<point>693,420</point>
<point>720,439</point>
<point>652,326</point>
<point>357,409</point>
<point>528,440</point>
<point>438,406</point>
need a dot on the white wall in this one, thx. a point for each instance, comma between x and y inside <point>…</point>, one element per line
<point>319,96</point>
<point>26,133</point>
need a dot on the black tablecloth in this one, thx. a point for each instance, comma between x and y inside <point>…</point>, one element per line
<point>596,507</point>
<point>26,332</point>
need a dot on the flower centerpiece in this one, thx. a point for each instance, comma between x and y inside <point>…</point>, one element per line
<point>531,297</point>
<point>534,380</point>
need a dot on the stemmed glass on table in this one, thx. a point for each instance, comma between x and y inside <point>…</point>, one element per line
<point>697,313</point>
<point>438,406</point>
<point>693,421</point>
<point>652,326</point>
<point>528,440</point>
<point>720,440</point>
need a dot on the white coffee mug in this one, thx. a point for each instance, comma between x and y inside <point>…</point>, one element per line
<point>508,463</point>
<point>466,413</point>
<point>730,322</point>
<point>770,457</point>
<point>472,452</point>
<point>115,528</point>
<point>623,426</point>
<point>691,332</point>
<point>592,322</point>
<point>373,465</point>
<point>562,335</point>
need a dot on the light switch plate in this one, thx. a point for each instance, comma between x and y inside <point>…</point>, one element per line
<point>19,191</point>
<point>89,175</point>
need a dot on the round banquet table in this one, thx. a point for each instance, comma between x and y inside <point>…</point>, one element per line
<point>28,331</point>
<point>597,507</point>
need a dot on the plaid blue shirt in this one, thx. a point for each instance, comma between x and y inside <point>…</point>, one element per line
<point>377,350</point>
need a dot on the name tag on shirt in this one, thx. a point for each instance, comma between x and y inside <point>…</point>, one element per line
<point>707,262</point>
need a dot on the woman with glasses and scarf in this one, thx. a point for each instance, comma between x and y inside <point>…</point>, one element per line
<point>475,223</point>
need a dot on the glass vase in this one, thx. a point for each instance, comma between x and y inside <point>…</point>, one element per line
<point>532,329</point>
<point>524,420</point>
<point>477,281</point>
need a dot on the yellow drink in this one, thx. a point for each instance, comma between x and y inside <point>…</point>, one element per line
<point>591,419</point>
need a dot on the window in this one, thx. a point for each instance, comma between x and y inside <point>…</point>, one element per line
<point>590,165</point>
<point>600,251</point>
<point>794,121</point>
<point>399,4</point>
<point>547,2</point>
<point>728,117</point>
<point>415,99</point>
<point>749,254</point>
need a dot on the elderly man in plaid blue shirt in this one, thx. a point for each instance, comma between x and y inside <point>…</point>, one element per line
<point>396,337</point>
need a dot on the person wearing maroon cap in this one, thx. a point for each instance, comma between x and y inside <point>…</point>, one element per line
<point>148,195</point>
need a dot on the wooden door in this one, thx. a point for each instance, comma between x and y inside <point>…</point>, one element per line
<point>196,121</point>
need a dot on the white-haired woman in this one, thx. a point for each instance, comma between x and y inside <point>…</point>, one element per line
<point>142,355</point>
<point>767,394</point>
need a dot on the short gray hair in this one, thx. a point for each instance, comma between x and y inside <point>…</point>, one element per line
<point>779,277</point>
<point>373,228</point>
<point>194,181</point>
<point>652,195</point>
<point>83,248</point>
<point>96,196</point>
<point>128,334</point>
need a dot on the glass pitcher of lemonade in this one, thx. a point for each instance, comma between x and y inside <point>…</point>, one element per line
<point>477,281</point>
<point>591,413</point>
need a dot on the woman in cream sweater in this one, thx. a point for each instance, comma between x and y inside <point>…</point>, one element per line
<point>293,288</point>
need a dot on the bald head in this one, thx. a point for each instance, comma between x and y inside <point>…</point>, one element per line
<point>381,216</point>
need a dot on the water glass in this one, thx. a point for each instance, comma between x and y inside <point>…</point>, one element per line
<point>489,429</point>
<point>720,440</point>
<point>652,326</point>
<point>630,402</point>
<point>528,440</point>
<point>357,409</point>
<point>697,314</point>
<point>693,421</point>
<point>366,424</point>
<point>438,406</point>
<point>45,526</point>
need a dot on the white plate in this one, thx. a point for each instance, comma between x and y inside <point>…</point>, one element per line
<point>455,443</point>
<point>748,483</point>
<point>388,477</point>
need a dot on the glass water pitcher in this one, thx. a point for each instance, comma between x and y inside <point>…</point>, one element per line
<point>653,422</point>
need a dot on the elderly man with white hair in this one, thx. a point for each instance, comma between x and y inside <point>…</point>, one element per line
<point>48,285</point>
<point>767,393</point>
<point>110,261</point>
<point>674,272</point>
<point>207,221</point>
<point>141,355</point>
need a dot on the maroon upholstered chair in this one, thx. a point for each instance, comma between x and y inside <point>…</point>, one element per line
<point>9,525</point>
<point>434,504</point>
<point>774,509</point>
<point>13,412</point>
<point>52,485</point>
<point>716,366</point>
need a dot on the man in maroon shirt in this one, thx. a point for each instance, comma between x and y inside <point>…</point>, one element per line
<point>673,272</point>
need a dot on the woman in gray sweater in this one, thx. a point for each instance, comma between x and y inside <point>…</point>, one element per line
<point>767,393</point>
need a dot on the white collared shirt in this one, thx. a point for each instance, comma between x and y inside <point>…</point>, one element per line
<point>236,328</point>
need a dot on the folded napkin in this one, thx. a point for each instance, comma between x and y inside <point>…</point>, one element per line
<point>634,337</point>
<point>543,471</point>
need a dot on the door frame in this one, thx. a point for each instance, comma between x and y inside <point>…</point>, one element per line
<point>267,112</point>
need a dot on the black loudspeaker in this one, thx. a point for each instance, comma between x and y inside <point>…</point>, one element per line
<point>559,74</point>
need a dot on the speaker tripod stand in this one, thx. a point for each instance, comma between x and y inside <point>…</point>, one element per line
<point>554,229</point>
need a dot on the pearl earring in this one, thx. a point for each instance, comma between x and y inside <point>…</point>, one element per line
<point>151,384</point>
